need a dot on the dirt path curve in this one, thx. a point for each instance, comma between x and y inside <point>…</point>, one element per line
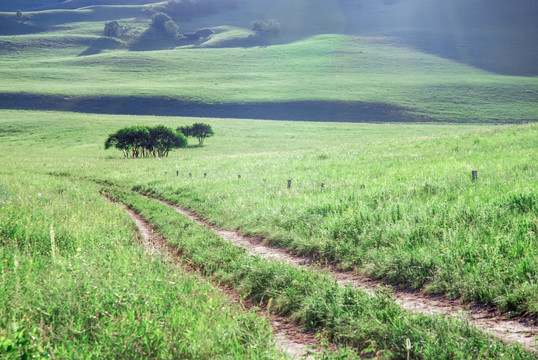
<point>288,336</point>
<point>518,330</point>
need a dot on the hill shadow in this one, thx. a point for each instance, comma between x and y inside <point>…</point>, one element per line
<point>326,111</point>
<point>153,39</point>
<point>10,25</point>
<point>104,43</point>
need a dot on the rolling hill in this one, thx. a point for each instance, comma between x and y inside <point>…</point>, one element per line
<point>410,60</point>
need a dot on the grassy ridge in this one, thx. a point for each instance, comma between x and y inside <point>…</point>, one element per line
<point>325,67</point>
<point>101,296</point>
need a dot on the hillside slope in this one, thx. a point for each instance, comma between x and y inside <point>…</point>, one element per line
<point>495,35</point>
<point>58,59</point>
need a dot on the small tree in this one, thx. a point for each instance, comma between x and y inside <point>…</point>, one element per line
<point>112,29</point>
<point>164,24</point>
<point>159,19</point>
<point>143,141</point>
<point>163,139</point>
<point>197,130</point>
<point>259,26</point>
<point>185,130</point>
<point>171,29</point>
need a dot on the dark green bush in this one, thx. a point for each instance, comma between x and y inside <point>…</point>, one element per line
<point>197,130</point>
<point>112,29</point>
<point>144,141</point>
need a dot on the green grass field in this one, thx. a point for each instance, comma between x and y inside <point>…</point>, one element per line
<point>420,221</point>
<point>42,55</point>
<point>323,68</point>
<point>398,203</point>
<point>100,295</point>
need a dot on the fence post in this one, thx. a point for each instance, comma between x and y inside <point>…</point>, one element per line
<point>475,175</point>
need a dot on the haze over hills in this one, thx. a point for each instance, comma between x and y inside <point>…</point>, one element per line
<point>494,35</point>
<point>315,60</point>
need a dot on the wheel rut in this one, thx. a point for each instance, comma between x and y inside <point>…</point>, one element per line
<point>288,336</point>
<point>518,330</point>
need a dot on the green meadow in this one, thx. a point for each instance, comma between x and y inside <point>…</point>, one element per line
<point>419,222</point>
<point>394,202</point>
<point>322,68</point>
<point>99,294</point>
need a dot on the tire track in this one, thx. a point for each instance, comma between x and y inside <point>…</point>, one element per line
<point>288,336</point>
<point>519,330</point>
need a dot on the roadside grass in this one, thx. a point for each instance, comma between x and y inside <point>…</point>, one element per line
<point>369,325</point>
<point>99,295</point>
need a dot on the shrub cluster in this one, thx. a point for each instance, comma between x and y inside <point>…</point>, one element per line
<point>165,24</point>
<point>145,141</point>
<point>197,130</point>
<point>271,28</point>
<point>112,29</point>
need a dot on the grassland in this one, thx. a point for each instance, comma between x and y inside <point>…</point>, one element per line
<point>42,55</point>
<point>51,162</point>
<point>398,202</point>
<point>98,294</point>
<point>322,68</point>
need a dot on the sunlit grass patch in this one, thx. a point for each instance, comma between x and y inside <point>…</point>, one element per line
<point>100,294</point>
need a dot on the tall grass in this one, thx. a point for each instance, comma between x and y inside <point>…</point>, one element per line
<point>420,220</point>
<point>99,295</point>
<point>368,325</point>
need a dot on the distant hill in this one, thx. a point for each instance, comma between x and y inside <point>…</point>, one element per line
<point>495,35</point>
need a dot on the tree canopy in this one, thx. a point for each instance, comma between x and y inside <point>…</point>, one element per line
<point>146,141</point>
<point>197,130</point>
<point>112,29</point>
